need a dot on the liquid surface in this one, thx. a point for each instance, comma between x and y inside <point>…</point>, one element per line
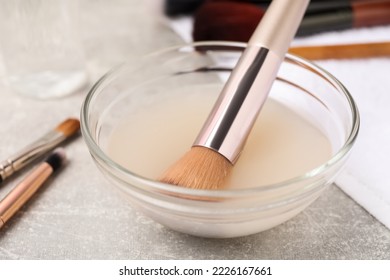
<point>282,144</point>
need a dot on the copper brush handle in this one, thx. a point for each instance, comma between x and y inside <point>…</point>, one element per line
<point>247,88</point>
<point>347,51</point>
<point>20,194</point>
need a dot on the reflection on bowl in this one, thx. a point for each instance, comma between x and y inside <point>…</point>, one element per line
<point>301,86</point>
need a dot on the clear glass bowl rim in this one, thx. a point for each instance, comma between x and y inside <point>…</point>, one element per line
<point>158,186</point>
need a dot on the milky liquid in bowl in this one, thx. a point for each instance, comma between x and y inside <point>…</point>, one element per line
<point>143,115</point>
<point>282,145</point>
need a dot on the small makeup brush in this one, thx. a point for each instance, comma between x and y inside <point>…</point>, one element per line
<point>235,20</point>
<point>219,143</point>
<point>47,142</point>
<point>179,7</point>
<point>18,196</point>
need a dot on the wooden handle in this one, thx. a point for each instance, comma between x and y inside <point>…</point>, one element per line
<point>348,51</point>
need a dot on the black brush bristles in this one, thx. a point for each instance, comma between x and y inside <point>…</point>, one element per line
<point>56,159</point>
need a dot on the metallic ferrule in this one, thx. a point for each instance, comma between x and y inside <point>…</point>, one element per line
<point>240,102</point>
<point>31,153</point>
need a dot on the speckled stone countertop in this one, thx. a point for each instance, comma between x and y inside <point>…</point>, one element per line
<point>79,216</point>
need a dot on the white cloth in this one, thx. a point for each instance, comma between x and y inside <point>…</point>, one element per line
<point>366,177</point>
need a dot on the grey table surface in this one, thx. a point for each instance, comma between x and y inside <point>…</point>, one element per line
<point>79,216</point>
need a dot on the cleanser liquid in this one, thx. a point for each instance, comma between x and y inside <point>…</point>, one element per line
<point>282,144</point>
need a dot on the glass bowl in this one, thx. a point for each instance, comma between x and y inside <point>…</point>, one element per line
<point>302,86</point>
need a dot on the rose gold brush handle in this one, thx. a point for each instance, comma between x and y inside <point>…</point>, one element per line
<point>242,97</point>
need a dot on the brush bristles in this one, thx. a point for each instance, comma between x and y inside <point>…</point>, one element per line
<point>69,127</point>
<point>199,168</point>
<point>56,159</point>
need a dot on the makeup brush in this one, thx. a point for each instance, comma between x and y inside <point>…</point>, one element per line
<point>314,7</point>
<point>18,196</point>
<point>47,142</point>
<point>174,8</point>
<point>234,21</point>
<point>219,143</point>
<point>358,14</point>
